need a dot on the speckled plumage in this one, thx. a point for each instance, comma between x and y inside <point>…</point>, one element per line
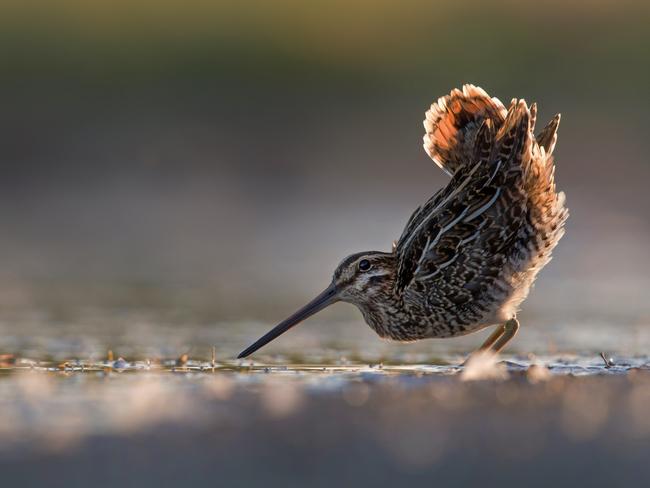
<point>467,257</point>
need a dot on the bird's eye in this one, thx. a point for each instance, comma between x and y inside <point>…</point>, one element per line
<point>364,265</point>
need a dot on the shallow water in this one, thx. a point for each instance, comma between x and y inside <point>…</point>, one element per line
<point>159,424</point>
<point>131,401</point>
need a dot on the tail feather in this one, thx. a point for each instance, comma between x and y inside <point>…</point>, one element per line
<point>452,124</point>
<point>548,135</point>
<point>514,136</point>
<point>484,141</point>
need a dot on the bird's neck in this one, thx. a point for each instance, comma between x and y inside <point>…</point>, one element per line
<point>386,315</point>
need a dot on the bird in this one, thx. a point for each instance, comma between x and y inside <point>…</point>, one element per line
<point>468,256</point>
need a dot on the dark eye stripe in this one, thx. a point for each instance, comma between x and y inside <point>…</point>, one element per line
<point>373,280</point>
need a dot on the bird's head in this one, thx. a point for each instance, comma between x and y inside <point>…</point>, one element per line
<point>363,276</point>
<point>360,278</point>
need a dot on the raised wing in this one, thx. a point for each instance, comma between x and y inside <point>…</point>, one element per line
<point>454,244</point>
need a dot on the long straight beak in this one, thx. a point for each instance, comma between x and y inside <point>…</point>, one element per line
<point>327,297</point>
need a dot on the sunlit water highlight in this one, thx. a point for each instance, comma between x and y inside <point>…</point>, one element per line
<point>154,397</point>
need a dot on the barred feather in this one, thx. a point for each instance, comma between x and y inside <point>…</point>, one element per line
<point>452,122</point>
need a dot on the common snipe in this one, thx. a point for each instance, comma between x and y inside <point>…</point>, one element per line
<point>467,257</point>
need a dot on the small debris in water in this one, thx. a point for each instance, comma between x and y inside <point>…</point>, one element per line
<point>121,363</point>
<point>609,362</point>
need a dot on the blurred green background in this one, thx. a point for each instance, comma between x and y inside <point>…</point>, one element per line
<point>214,161</point>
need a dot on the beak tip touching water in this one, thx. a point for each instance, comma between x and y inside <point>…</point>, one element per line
<point>326,298</point>
<point>246,352</point>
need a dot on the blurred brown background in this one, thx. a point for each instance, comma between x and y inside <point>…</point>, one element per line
<point>215,160</point>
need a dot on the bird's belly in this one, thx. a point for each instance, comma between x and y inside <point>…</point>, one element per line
<point>427,322</point>
<point>427,329</point>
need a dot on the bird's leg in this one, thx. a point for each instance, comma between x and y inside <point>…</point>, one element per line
<point>498,339</point>
<point>489,342</point>
<point>510,330</point>
<point>494,336</point>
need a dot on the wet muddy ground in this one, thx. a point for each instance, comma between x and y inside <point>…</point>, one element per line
<point>179,412</point>
<point>118,423</point>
